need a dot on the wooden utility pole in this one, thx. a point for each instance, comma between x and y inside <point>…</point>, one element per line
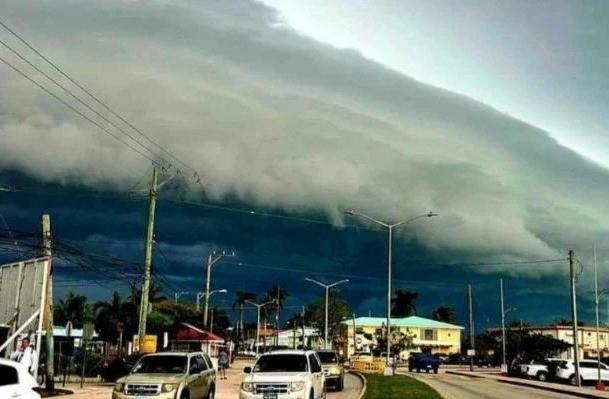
<point>48,308</point>
<point>147,260</point>
<point>472,338</point>
<point>574,317</point>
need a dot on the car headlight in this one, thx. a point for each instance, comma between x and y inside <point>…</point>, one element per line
<point>119,387</point>
<point>247,386</point>
<point>334,370</point>
<point>298,386</point>
<point>168,387</point>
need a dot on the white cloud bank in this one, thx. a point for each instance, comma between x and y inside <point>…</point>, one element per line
<point>280,120</point>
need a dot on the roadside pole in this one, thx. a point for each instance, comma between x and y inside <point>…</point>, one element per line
<point>49,378</point>
<point>304,346</point>
<point>503,357</point>
<point>354,336</point>
<point>574,318</point>
<point>141,331</point>
<point>472,337</point>
<point>599,383</point>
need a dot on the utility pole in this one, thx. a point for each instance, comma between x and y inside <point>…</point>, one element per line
<point>141,331</point>
<point>599,382</point>
<point>354,336</point>
<point>212,258</point>
<point>304,346</point>
<point>258,307</point>
<point>574,317</point>
<point>211,321</point>
<point>472,344</point>
<point>503,358</point>
<point>48,308</point>
<point>277,317</point>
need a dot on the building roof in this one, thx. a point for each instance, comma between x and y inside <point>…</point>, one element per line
<point>411,321</point>
<point>188,332</point>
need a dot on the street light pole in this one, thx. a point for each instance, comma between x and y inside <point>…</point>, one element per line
<point>212,259</point>
<point>222,291</point>
<point>178,294</point>
<point>597,297</point>
<point>389,228</point>
<point>258,307</point>
<point>327,288</point>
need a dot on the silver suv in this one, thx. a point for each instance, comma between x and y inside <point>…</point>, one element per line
<point>286,374</point>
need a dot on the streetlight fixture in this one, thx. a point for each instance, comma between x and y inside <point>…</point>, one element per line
<point>178,294</point>
<point>258,306</point>
<point>222,291</point>
<point>504,311</point>
<point>212,259</point>
<point>202,294</point>
<point>389,227</point>
<point>327,288</point>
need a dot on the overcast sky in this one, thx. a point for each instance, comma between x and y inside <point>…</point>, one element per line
<point>489,113</point>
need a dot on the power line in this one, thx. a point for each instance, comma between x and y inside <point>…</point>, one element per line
<point>56,97</point>
<point>96,99</point>
<point>71,94</point>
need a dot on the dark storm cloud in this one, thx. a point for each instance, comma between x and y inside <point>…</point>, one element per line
<point>276,119</point>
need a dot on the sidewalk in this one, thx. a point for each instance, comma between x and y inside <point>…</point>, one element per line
<point>588,392</point>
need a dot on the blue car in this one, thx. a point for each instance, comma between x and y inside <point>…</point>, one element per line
<point>421,361</point>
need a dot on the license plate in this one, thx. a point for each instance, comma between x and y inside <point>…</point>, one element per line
<point>429,366</point>
<point>142,397</point>
<point>269,395</point>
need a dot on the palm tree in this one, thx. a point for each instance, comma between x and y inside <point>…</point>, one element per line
<point>403,303</point>
<point>242,296</point>
<point>115,316</point>
<point>74,308</point>
<point>445,314</point>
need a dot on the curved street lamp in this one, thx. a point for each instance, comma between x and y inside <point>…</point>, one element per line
<point>389,227</point>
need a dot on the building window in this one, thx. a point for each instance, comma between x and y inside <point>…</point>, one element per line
<point>429,335</point>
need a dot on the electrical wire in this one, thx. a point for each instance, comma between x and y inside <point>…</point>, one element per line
<point>98,101</point>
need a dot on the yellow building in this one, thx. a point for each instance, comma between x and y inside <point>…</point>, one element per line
<point>428,335</point>
<point>586,338</point>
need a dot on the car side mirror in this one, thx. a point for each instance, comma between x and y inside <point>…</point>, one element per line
<point>247,370</point>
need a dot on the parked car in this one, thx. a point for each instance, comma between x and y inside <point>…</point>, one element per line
<point>515,367</point>
<point>540,370</point>
<point>421,361</point>
<point>587,371</point>
<point>284,375</point>
<point>169,375</point>
<point>16,382</point>
<point>333,369</point>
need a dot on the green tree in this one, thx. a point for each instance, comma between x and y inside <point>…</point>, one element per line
<point>445,314</point>
<point>338,309</point>
<point>403,303</point>
<point>74,308</point>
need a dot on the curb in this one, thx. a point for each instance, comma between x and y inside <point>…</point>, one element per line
<point>525,383</point>
<point>364,383</point>
<point>551,389</point>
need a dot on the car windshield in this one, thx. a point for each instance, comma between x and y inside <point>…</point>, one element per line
<point>327,357</point>
<point>161,365</point>
<point>281,363</point>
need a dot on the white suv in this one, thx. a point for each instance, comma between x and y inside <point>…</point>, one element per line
<point>587,370</point>
<point>286,374</point>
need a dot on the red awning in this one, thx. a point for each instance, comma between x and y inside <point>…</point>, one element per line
<point>188,332</point>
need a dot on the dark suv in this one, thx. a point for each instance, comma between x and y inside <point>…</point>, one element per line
<point>422,361</point>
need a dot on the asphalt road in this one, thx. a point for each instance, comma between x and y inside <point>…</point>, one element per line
<point>353,386</point>
<point>459,387</point>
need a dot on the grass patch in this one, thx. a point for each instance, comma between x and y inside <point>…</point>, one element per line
<point>397,387</point>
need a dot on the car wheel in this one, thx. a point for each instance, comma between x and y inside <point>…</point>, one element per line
<point>541,376</point>
<point>185,394</point>
<point>212,392</point>
<point>573,380</point>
